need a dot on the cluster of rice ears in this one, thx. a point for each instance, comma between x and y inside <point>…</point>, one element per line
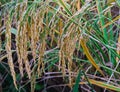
<point>69,25</point>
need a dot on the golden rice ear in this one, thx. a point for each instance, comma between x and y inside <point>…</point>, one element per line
<point>62,64</point>
<point>70,71</point>
<point>18,48</point>
<point>67,47</point>
<point>9,51</point>
<point>25,52</point>
<point>21,40</point>
<point>34,33</point>
<point>33,40</point>
<point>21,46</point>
<point>41,55</point>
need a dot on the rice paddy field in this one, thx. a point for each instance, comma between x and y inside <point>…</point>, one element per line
<point>59,45</point>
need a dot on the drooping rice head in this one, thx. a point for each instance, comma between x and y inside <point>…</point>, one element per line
<point>8,49</point>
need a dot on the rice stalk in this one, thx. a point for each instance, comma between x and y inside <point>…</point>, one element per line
<point>33,80</point>
<point>0,35</point>
<point>0,43</point>
<point>118,48</point>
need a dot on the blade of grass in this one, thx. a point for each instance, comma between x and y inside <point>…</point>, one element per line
<point>111,38</point>
<point>99,8</point>
<point>75,88</point>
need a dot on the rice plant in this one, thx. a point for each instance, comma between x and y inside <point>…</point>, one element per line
<point>60,45</point>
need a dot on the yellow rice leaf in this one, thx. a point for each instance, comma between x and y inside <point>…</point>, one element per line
<point>90,58</point>
<point>104,85</point>
<point>101,84</point>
